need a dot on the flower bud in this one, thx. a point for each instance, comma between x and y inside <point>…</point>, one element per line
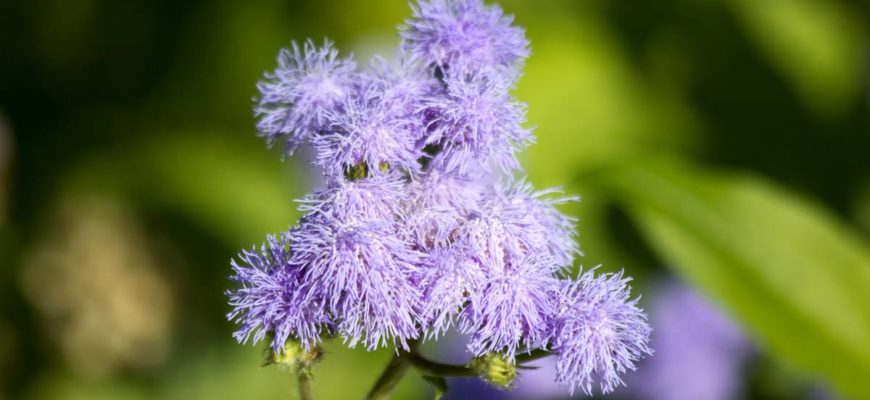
<point>294,356</point>
<point>495,369</point>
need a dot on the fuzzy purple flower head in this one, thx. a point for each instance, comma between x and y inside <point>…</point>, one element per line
<point>464,36</point>
<point>364,271</point>
<point>295,99</point>
<point>476,122</point>
<point>514,307</point>
<point>368,131</point>
<point>600,332</point>
<point>272,297</point>
<point>425,223</point>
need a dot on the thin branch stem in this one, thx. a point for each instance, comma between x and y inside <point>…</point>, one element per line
<point>429,367</point>
<point>536,354</point>
<point>391,376</point>
<point>305,390</point>
<point>388,380</point>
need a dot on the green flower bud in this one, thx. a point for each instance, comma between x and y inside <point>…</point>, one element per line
<point>295,357</point>
<point>495,369</point>
<point>357,172</point>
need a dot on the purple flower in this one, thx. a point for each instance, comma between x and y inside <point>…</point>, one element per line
<point>513,308</point>
<point>295,99</point>
<point>375,198</point>
<point>476,122</point>
<point>700,352</point>
<point>446,190</point>
<point>369,131</point>
<point>600,332</point>
<point>414,234</point>
<point>365,271</point>
<point>513,222</point>
<point>449,279</point>
<point>436,205</point>
<point>404,85</point>
<point>272,298</point>
<point>464,36</point>
<point>535,214</point>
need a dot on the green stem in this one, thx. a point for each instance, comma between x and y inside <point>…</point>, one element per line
<point>439,384</point>
<point>536,354</point>
<point>394,373</point>
<point>305,390</point>
<point>429,367</point>
<point>391,376</point>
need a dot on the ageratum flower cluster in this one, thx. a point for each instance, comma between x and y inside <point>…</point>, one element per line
<point>423,225</point>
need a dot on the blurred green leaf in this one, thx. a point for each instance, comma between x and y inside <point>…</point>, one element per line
<point>816,44</point>
<point>797,278</point>
<point>64,386</point>
<point>232,187</point>
<point>588,107</point>
<point>343,373</point>
<point>238,190</point>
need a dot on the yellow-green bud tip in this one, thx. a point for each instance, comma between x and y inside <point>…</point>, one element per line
<point>294,356</point>
<point>495,369</point>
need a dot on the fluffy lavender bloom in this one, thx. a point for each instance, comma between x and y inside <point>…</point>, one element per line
<point>365,271</point>
<point>404,85</point>
<point>273,298</point>
<point>295,99</point>
<point>600,332</point>
<point>464,36</point>
<point>374,198</point>
<point>369,131</point>
<point>405,240</point>
<point>436,205</point>
<point>513,308</point>
<point>700,352</point>
<point>477,122</point>
<point>514,222</point>
<point>449,279</point>
<point>550,228</point>
<point>445,190</point>
<point>429,228</point>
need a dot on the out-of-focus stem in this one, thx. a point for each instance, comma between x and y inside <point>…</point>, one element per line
<point>394,373</point>
<point>391,376</point>
<point>305,390</point>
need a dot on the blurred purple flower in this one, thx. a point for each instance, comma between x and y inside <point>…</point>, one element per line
<point>272,298</point>
<point>539,382</point>
<point>464,36</point>
<point>600,332</point>
<point>295,99</point>
<point>699,350</point>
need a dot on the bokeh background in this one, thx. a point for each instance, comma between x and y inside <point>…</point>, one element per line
<point>721,147</point>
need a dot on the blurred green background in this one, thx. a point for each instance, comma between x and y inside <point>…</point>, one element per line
<point>724,141</point>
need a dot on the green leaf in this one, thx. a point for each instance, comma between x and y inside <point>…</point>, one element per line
<point>792,273</point>
<point>815,44</point>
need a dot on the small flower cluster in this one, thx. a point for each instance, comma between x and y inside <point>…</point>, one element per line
<point>422,226</point>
